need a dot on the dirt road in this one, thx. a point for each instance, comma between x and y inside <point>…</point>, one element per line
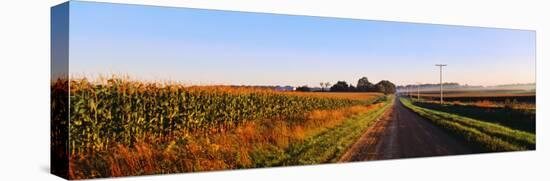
<point>401,133</point>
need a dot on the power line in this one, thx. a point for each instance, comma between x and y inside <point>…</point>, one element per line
<point>440,82</point>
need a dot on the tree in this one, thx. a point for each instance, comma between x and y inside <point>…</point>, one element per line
<point>380,88</point>
<point>351,88</point>
<point>363,85</point>
<point>303,89</point>
<point>385,87</point>
<point>324,85</point>
<point>340,86</point>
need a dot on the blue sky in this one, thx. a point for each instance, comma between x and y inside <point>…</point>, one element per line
<point>221,47</point>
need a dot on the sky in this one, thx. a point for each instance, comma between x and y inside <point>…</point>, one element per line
<point>203,47</point>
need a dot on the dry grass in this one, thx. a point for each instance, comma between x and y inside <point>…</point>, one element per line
<point>203,151</point>
<point>118,111</point>
<point>485,103</point>
<point>122,127</point>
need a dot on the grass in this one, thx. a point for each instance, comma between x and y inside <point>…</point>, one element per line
<point>316,135</point>
<point>325,146</point>
<point>332,143</point>
<point>103,114</point>
<point>481,93</point>
<point>485,136</point>
<point>499,97</point>
<point>519,119</point>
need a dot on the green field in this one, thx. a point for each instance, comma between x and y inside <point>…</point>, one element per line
<point>497,96</point>
<point>486,136</point>
<point>519,119</point>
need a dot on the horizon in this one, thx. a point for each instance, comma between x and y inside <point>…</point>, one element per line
<point>103,78</point>
<point>213,47</point>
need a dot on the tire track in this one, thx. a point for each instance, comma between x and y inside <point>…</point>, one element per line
<point>401,133</point>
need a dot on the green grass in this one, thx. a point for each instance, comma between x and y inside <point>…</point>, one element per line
<point>324,147</point>
<point>519,119</point>
<point>125,112</point>
<point>488,137</point>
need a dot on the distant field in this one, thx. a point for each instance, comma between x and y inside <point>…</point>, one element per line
<point>518,119</point>
<point>341,95</point>
<point>479,93</point>
<point>482,95</point>
<point>480,129</point>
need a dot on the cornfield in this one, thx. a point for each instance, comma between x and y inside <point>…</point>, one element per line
<point>122,112</point>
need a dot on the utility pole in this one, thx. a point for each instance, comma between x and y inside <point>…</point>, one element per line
<point>440,82</point>
<point>417,91</point>
<point>411,91</point>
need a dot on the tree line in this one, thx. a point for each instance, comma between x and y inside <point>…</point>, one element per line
<point>363,85</point>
